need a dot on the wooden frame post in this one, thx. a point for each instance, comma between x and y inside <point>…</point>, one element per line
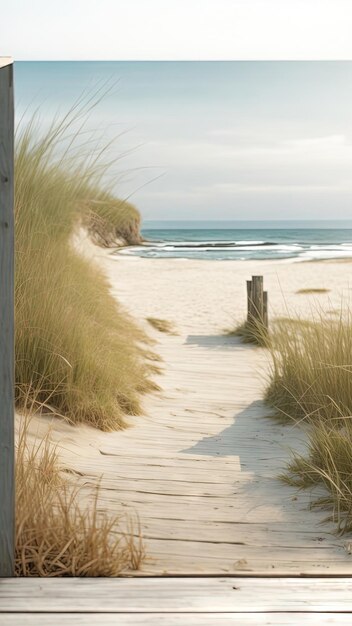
<point>7,461</point>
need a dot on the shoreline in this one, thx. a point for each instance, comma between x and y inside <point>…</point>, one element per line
<point>343,259</point>
<point>119,251</point>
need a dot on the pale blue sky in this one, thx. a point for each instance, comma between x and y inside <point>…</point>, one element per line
<point>235,140</point>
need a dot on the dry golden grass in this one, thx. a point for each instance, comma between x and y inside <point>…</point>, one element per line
<point>252,332</point>
<point>311,372</point>
<point>55,535</point>
<point>111,221</point>
<point>163,326</point>
<point>313,290</point>
<point>77,350</point>
<point>311,383</point>
<point>290,323</point>
<point>327,462</point>
<point>78,354</point>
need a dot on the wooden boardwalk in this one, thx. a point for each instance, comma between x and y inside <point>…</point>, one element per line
<point>176,602</point>
<point>201,466</point>
<point>226,542</point>
<point>200,469</point>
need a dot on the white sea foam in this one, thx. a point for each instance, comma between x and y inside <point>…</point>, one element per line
<point>288,245</point>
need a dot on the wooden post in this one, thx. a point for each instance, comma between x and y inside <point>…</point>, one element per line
<point>257,297</point>
<point>7,482</point>
<point>265,310</point>
<point>249,301</point>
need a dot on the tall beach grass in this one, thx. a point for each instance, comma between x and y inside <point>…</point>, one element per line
<point>78,353</point>
<point>311,383</point>
<point>77,350</point>
<point>311,374</point>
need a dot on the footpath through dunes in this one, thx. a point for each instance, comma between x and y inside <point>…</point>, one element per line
<point>200,466</point>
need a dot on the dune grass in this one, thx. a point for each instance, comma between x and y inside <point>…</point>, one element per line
<point>55,534</point>
<point>163,326</point>
<point>311,383</point>
<point>111,221</point>
<point>283,323</point>
<point>327,462</point>
<point>311,373</point>
<point>251,332</point>
<point>76,349</point>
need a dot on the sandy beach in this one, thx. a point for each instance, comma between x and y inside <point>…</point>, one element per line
<point>200,466</point>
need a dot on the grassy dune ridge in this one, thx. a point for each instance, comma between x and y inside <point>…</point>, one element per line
<point>311,383</point>
<point>111,221</point>
<point>78,353</point>
<point>76,349</point>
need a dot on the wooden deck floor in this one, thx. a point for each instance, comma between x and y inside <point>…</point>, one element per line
<point>176,602</point>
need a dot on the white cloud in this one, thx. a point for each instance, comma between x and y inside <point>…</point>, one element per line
<point>298,162</point>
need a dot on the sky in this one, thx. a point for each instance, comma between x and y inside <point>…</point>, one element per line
<point>224,140</point>
<point>214,140</point>
<point>176,29</point>
<point>201,141</point>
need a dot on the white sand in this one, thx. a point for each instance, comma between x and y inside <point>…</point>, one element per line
<point>200,466</point>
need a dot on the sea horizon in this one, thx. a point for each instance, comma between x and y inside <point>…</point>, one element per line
<point>247,224</point>
<point>245,240</point>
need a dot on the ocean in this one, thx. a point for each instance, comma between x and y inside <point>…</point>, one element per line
<point>221,242</point>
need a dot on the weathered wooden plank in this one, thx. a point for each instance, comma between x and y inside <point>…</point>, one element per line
<point>260,553</point>
<point>265,310</point>
<point>6,322</point>
<point>249,301</point>
<point>176,595</point>
<point>253,538</point>
<point>257,297</point>
<point>185,619</point>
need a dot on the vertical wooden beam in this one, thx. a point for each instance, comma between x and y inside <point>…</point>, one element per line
<point>249,301</point>
<point>7,482</point>
<point>257,297</point>
<point>265,310</point>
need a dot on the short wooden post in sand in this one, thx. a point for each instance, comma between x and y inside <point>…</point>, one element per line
<point>257,302</point>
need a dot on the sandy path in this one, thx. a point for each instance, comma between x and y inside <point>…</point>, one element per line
<point>200,466</point>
